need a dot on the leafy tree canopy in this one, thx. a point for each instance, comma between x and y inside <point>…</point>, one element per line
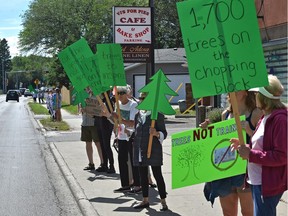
<point>28,68</point>
<point>49,26</point>
<point>5,58</point>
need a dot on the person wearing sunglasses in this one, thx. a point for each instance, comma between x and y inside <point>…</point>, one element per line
<point>125,132</point>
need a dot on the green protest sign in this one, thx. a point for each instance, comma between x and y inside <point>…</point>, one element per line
<point>31,89</point>
<point>92,75</point>
<point>204,155</point>
<point>223,46</point>
<point>111,65</point>
<point>72,60</point>
<point>156,100</point>
<point>79,97</point>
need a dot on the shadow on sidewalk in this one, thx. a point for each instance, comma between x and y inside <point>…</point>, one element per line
<point>125,198</point>
<point>104,177</point>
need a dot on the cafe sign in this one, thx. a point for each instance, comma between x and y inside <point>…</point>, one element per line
<point>132,25</point>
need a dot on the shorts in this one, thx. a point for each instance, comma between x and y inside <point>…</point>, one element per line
<point>89,133</point>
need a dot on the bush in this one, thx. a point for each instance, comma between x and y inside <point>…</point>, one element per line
<point>215,115</point>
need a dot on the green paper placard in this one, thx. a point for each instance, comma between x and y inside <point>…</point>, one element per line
<point>111,65</point>
<point>72,60</point>
<point>156,100</point>
<point>79,97</point>
<point>92,75</point>
<point>223,46</point>
<point>196,154</point>
<point>31,89</point>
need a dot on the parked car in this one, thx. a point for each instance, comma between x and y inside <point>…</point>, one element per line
<point>12,95</point>
<point>22,90</point>
<point>28,93</point>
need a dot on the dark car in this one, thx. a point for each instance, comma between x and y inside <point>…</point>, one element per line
<point>12,95</point>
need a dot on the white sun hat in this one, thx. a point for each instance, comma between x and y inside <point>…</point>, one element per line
<point>264,92</point>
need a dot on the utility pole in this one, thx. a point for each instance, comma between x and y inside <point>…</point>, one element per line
<point>150,67</point>
<point>3,76</point>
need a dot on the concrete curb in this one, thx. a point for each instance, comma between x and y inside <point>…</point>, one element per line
<point>85,206</point>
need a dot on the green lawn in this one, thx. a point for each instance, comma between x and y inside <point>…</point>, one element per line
<point>48,123</point>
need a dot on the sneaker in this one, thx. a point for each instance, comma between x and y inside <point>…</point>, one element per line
<point>101,168</point>
<point>152,185</point>
<point>135,190</point>
<point>122,190</point>
<point>89,167</point>
<point>111,170</point>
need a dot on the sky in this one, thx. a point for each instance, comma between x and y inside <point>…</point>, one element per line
<point>10,22</point>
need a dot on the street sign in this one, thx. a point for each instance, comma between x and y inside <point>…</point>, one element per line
<point>36,81</point>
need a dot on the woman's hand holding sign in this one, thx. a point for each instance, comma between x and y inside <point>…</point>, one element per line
<point>243,150</point>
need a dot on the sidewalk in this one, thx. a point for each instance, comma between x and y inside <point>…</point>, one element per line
<point>94,191</point>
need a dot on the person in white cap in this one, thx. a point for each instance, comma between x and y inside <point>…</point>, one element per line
<point>267,153</point>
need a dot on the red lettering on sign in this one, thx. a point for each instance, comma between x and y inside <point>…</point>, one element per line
<point>141,34</point>
<point>123,33</point>
<point>133,20</point>
<point>202,133</point>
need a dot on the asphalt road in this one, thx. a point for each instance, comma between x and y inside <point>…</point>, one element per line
<point>30,180</point>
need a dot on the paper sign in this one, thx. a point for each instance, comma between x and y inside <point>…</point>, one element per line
<point>79,97</point>
<point>111,65</point>
<point>196,154</point>
<point>31,89</point>
<point>93,107</point>
<point>223,46</point>
<point>156,100</point>
<point>72,60</point>
<point>92,75</point>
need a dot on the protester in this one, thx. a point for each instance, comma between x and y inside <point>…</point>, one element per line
<point>140,146</point>
<point>105,128</point>
<point>89,134</point>
<point>49,104</point>
<point>137,100</point>
<point>230,189</point>
<point>40,96</point>
<point>34,95</point>
<point>57,103</point>
<point>267,152</point>
<point>125,130</point>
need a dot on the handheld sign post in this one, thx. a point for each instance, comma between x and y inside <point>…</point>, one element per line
<point>223,48</point>
<point>156,100</point>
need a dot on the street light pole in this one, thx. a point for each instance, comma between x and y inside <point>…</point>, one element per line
<point>3,76</point>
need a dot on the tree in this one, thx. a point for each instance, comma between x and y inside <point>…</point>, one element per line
<point>5,59</point>
<point>49,26</point>
<point>167,26</point>
<point>28,68</point>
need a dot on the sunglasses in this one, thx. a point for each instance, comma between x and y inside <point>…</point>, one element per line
<point>121,93</point>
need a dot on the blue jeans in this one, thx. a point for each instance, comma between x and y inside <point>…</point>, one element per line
<point>264,206</point>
